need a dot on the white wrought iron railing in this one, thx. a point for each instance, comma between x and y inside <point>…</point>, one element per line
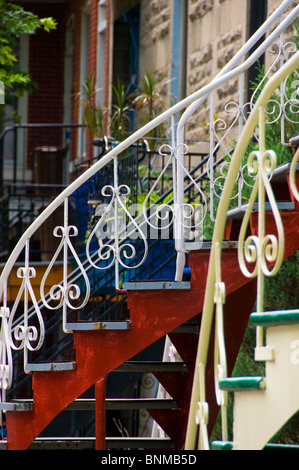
<point>118,223</point>
<point>260,255</point>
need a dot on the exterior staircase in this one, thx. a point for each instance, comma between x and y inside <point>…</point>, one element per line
<point>255,398</point>
<point>158,308</point>
<point>153,314</point>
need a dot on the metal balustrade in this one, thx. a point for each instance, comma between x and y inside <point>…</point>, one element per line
<point>259,255</point>
<point>119,224</point>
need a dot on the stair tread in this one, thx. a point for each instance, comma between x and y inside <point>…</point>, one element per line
<point>227,445</point>
<point>156,285</point>
<point>139,442</point>
<point>222,445</point>
<point>17,405</point>
<point>94,326</point>
<point>61,443</point>
<point>275,318</point>
<point>207,245</point>
<point>281,447</point>
<point>282,171</point>
<point>124,403</point>
<point>242,383</point>
<point>152,366</point>
<point>50,366</point>
<point>239,212</point>
<point>279,175</point>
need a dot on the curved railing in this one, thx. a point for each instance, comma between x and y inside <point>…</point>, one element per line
<point>117,217</point>
<point>263,253</point>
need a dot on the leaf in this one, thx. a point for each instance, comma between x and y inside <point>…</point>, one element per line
<point>48,24</point>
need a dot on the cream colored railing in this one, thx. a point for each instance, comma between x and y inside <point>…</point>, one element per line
<point>67,296</point>
<point>257,251</point>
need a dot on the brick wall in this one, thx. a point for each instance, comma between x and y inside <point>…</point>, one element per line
<point>46,65</point>
<point>45,103</point>
<point>216,31</point>
<point>46,68</point>
<point>74,8</point>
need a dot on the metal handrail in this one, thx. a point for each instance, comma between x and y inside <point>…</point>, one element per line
<point>191,103</point>
<point>208,307</point>
<point>194,99</point>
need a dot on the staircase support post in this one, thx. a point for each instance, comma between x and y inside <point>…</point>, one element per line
<point>100,414</point>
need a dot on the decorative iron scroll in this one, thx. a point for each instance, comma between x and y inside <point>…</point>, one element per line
<point>5,354</point>
<point>262,249</point>
<point>115,231</point>
<point>66,294</point>
<point>293,183</point>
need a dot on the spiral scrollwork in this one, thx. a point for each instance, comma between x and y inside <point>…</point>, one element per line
<point>263,249</point>
<point>187,213</point>
<point>293,169</point>
<point>163,212</point>
<point>6,364</point>
<point>4,376</point>
<point>28,336</point>
<point>66,292</point>
<point>113,229</point>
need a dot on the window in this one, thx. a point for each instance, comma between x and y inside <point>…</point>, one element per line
<point>126,48</point>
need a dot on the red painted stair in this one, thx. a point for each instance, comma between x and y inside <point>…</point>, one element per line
<point>153,314</point>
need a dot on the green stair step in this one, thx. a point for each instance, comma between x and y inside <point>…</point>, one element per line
<point>237,384</point>
<point>226,445</point>
<point>222,445</point>
<point>276,318</point>
<point>281,447</point>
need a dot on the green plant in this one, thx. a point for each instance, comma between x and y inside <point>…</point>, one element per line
<point>281,291</point>
<point>15,21</point>
<point>122,106</point>
<point>149,103</point>
<point>92,113</point>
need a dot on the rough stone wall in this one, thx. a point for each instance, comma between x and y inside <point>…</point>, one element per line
<point>271,56</point>
<point>272,4</point>
<point>217,30</point>
<point>155,41</point>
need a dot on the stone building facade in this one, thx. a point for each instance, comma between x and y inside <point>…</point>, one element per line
<point>213,30</point>
<point>184,43</point>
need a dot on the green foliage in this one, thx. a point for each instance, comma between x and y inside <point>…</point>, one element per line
<point>281,291</point>
<point>275,133</point>
<point>149,103</point>
<point>121,108</point>
<point>144,105</point>
<point>15,21</point>
<point>92,114</point>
